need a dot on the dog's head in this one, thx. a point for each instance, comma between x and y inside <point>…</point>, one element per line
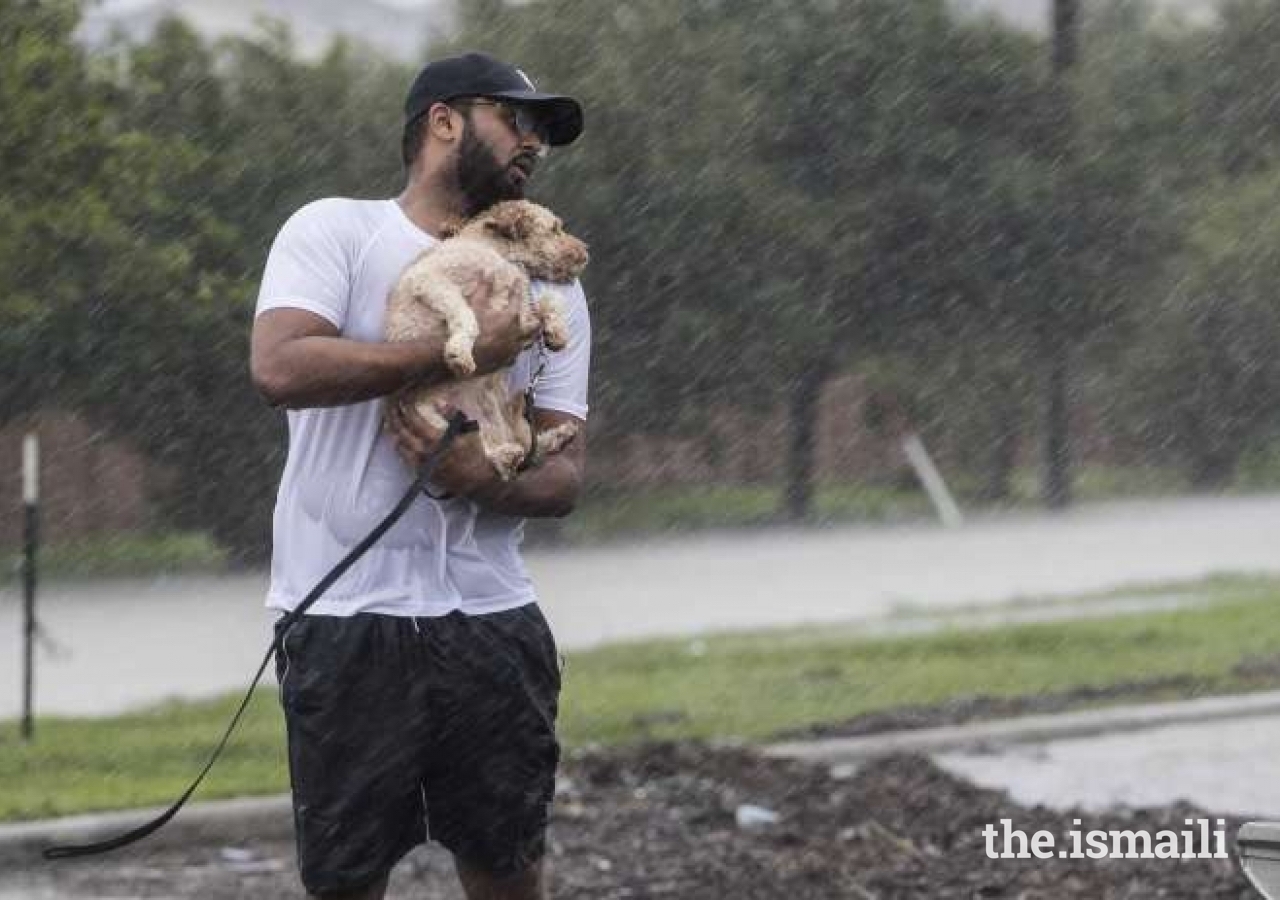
<point>532,237</point>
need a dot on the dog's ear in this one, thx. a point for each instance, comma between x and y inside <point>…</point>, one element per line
<point>513,221</point>
<point>450,228</point>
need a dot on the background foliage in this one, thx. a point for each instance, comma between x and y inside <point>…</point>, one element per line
<point>776,192</point>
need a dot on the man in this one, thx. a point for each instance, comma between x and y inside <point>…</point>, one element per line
<point>420,692</point>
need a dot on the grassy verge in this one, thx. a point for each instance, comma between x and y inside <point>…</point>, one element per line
<point>756,685</point>
<point>748,686</point>
<point>129,554</point>
<point>610,514</point>
<point>145,759</point>
<point>605,514</point>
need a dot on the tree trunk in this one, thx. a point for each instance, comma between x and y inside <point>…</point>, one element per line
<point>1002,454</point>
<point>1066,15</point>
<point>1055,488</point>
<point>802,447</point>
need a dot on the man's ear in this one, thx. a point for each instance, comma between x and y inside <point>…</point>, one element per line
<point>441,123</point>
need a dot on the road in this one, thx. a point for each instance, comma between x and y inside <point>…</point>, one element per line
<point>1226,766</point>
<point>122,644</point>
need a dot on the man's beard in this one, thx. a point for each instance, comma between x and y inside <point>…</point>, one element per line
<point>482,179</point>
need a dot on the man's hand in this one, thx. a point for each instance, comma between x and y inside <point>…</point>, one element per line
<point>462,471</point>
<point>507,324</point>
<point>551,489</point>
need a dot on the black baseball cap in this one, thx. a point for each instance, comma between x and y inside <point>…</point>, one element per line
<point>480,75</point>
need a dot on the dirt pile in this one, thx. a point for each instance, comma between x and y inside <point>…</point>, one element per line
<point>661,822</point>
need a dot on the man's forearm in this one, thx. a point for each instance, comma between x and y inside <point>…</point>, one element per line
<point>331,371</point>
<point>549,491</point>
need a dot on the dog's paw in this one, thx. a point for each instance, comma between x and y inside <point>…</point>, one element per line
<point>553,440</point>
<point>556,336</point>
<point>555,320</point>
<point>457,356</point>
<point>506,460</point>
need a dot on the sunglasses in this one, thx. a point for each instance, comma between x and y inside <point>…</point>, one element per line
<point>520,117</point>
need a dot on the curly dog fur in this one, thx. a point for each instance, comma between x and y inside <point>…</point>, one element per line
<point>507,246</point>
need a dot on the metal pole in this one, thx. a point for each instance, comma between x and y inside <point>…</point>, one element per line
<point>31,527</point>
<point>943,502</point>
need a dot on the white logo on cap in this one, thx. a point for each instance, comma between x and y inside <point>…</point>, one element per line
<point>527,80</point>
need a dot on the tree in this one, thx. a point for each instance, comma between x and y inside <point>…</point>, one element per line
<point>132,234</point>
<point>1205,374</point>
<point>1236,101</point>
<point>207,183</point>
<point>768,204</point>
<point>52,213</point>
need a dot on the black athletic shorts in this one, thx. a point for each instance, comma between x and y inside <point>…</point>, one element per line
<point>403,728</point>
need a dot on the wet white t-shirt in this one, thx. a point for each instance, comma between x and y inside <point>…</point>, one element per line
<point>339,259</point>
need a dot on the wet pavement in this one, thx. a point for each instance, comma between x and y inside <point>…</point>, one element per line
<point>1229,766</point>
<point>120,644</point>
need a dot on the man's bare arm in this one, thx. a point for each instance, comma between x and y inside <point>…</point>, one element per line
<point>298,359</point>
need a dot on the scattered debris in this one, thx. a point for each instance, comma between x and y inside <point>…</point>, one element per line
<point>750,816</point>
<point>236,855</point>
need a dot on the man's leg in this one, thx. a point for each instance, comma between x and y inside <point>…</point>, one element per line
<point>354,751</point>
<point>495,754</point>
<point>375,891</point>
<point>478,884</point>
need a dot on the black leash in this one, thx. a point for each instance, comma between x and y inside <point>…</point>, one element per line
<point>458,424</point>
<point>531,456</point>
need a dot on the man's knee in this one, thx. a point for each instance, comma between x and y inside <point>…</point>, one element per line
<point>479,884</point>
<point>374,891</point>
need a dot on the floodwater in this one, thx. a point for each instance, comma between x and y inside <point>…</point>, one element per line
<point>121,644</point>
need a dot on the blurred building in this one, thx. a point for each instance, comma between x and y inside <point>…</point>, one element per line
<point>90,484</point>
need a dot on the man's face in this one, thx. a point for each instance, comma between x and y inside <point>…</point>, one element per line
<point>495,159</point>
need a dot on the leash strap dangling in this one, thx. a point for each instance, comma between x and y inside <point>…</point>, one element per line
<point>528,461</point>
<point>458,424</point>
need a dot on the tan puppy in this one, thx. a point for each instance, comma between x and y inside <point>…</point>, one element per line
<point>507,246</point>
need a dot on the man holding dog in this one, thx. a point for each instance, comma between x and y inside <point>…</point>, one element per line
<point>420,692</point>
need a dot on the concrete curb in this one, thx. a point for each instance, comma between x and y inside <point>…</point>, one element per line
<point>1026,729</point>
<point>227,822</point>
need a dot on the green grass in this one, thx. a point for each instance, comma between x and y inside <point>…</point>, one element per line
<point>748,686</point>
<point>128,554</point>
<point>756,685</point>
<point>609,514</point>
<point>80,765</point>
<point>1259,470</point>
<point>1095,483</point>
